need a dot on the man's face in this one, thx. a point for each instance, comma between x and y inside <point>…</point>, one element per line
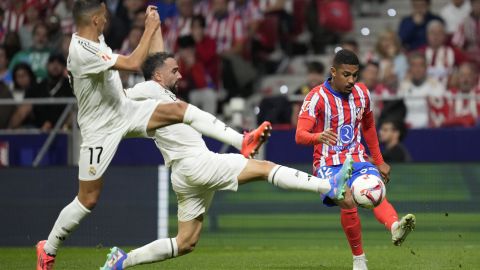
<point>436,36</point>
<point>169,75</point>
<point>55,69</point>
<point>370,75</point>
<point>344,77</point>
<point>40,37</point>
<point>466,78</point>
<point>418,69</point>
<point>185,8</point>
<point>386,132</point>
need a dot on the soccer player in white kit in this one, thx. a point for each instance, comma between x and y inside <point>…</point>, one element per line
<point>197,172</point>
<point>106,115</point>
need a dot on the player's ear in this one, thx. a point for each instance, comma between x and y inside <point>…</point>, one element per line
<point>333,71</point>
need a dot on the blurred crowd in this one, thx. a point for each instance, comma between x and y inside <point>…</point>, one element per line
<point>422,74</point>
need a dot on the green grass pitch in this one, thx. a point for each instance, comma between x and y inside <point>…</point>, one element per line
<point>300,242</point>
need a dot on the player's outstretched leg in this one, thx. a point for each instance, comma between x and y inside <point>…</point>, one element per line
<point>254,139</point>
<point>115,259</point>
<point>402,228</point>
<point>338,181</point>
<point>44,261</point>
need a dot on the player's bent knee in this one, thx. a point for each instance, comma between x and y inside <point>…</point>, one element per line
<point>186,246</point>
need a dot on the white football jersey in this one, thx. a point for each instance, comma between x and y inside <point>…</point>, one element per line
<point>98,88</point>
<point>175,141</point>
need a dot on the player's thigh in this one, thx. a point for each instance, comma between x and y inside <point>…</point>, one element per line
<point>166,114</point>
<point>255,170</point>
<point>211,171</point>
<point>96,153</point>
<point>192,203</point>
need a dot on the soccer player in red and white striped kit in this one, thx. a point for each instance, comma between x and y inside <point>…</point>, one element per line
<point>333,118</point>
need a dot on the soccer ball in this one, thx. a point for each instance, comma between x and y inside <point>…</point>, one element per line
<point>368,191</point>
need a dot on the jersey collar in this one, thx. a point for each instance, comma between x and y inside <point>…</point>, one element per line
<point>331,90</point>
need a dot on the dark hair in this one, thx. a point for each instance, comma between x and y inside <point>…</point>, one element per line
<point>82,7</point>
<point>345,57</point>
<point>315,67</point>
<point>416,54</point>
<point>38,25</point>
<point>200,19</point>
<point>397,125</point>
<point>185,42</point>
<point>25,67</point>
<point>57,57</point>
<point>153,62</point>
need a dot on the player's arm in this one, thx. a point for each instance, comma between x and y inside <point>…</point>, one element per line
<point>370,135</point>
<point>157,41</point>
<point>305,135</point>
<point>134,61</point>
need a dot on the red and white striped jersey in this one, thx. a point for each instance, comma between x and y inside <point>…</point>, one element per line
<point>226,31</point>
<point>344,114</point>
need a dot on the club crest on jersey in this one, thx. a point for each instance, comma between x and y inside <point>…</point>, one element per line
<point>346,134</point>
<point>104,56</point>
<point>305,106</point>
<point>359,112</point>
<point>92,171</point>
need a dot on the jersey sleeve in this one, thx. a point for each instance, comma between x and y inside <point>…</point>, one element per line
<point>309,109</point>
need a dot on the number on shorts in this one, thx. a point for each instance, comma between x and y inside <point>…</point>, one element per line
<point>325,172</point>
<point>99,153</point>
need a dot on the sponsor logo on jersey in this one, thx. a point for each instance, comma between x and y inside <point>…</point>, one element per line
<point>305,106</point>
<point>359,112</point>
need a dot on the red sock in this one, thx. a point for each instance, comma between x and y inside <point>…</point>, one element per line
<point>353,229</point>
<point>385,214</point>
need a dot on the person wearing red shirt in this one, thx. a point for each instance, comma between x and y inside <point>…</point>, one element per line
<point>333,118</point>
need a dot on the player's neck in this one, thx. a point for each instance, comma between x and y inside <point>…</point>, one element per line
<point>88,33</point>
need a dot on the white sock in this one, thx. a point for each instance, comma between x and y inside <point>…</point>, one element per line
<point>156,251</point>
<point>210,126</point>
<point>288,178</point>
<point>360,256</point>
<point>66,223</point>
<point>394,226</point>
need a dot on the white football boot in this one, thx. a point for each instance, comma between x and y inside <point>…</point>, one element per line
<point>360,262</point>
<point>402,228</point>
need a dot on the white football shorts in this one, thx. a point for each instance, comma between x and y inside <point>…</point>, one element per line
<point>195,180</point>
<point>97,149</point>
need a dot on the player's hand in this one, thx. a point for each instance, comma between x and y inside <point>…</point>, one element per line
<point>328,137</point>
<point>385,172</point>
<point>152,21</point>
<point>150,8</point>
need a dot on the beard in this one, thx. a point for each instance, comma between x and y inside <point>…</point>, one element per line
<point>173,87</point>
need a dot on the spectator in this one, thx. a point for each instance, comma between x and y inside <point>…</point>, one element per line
<point>391,108</point>
<point>454,13</point>
<point>14,15</point>
<point>413,28</point>
<point>417,89</point>
<point>5,110</point>
<point>206,49</point>
<point>441,57</point>
<point>55,85</point>
<point>12,44</point>
<point>227,30</point>
<point>67,38</point>
<point>391,134</point>
<point>389,55</point>
<point>64,11</point>
<point>468,35</point>
<point>464,104</point>
<point>37,55</point>
<point>195,82</point>
<point>23,79</point>
<point>32,18</point>
<point>179,25</point>
<point>55,35</point>
<point>5,75</point>
<point>315,76</point>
